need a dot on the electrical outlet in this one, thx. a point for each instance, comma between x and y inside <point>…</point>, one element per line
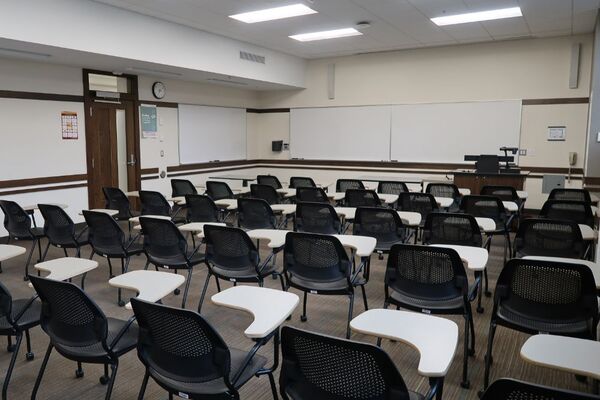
<point>286,146</point>
<point>522,152</point>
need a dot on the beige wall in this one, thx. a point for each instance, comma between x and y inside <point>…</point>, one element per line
<point>262,129</point>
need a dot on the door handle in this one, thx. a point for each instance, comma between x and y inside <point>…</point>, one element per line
<point>131,160</point>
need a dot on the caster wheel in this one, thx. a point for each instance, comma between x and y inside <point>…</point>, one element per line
<point>103,380</point>
<point>381,257</point>
<point>303,318</point>
<point>480,310</point>
<point>465,385</point>
<point>121,303</point>
<point>29,356</point>
<point>176,292</point>
<point>25,278</point>
<point>78,373</point>
<point>471,352</point>
<point>10,348</point>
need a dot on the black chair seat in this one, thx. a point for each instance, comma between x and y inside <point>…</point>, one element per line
<point>451,305</point>
<point>248,273</point>
<point>336,286</point>
<point>216,386</point>
<point>178,261</point>
<point>95,353</point>
<point>117,251</point>
<point>30,318</point>
<point>179,219</point>
<point>81,239</point>
<point>308,392</point>
<point>564,326</point>
<point>386,245</point>
<point>38,233</point>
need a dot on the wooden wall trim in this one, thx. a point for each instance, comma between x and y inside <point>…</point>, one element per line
<point>164,104</point>
<point>564,100</point>
<point>592,181</point>
<point>147,171</point>
<point>42,189</point>
<point>42,180</point>
<point>211,165</point>
<point>11,94</point>
<point>267,110</point>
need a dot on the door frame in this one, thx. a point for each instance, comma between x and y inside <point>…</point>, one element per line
<point>126,101</point>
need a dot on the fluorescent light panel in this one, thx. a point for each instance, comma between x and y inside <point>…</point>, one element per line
<point>336,33</point>
<point>478,16</point>
<point>269,14</point>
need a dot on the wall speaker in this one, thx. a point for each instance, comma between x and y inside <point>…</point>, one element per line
<point>574,73</point>
<point>331,81</point>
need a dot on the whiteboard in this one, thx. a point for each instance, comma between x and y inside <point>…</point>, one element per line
<point>340,133</point>
<point>446,132</point>
<point>211,133</point>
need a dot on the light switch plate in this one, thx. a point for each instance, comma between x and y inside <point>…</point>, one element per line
<point>598,138</point>
<point>522,152</point>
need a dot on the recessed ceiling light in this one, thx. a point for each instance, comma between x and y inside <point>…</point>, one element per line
<point>336,33</point>
<point>478,16</point>
<point>270,14</point>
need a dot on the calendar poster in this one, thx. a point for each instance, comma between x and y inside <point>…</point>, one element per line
<point>68,121</point>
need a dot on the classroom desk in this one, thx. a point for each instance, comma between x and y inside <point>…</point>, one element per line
<point>464,191</point>
<point>287,192</point>
<point>408,218</point>
<point>136,220</point>
<point>594,266</point>
<point>65,268</point>
<point>229,204</point>
<point>487,225</point>
<point>150,286</point>
<point>510,206</point>
<point>444,202</point>
<point>134,193</point>
<point>435,338</point>
<point>233,177</point>
<point>285,209</point>
<point>588,233</point>
<point>197,227</point>
<point>269,307</point>
<point>522,194</point>
<point>476,180</point>
<point>595,199</point>
<point>405,179</point>
<point>112,213</point>
<point>384,197</point>
<point>573,355</point>
<point>8,251</point>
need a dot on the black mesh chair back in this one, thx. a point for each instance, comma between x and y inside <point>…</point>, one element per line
<point>16,220</point>
<point>270,180</point>
<point>58,226</point>
<point>423,203</point>
<point>570,194</point>
<point>230,248</point>
<point>201,208</point>
<point>265,192</point>
<point>553,297</point>
<point>341,185</point>
<point>310,194</point>
<point>484,206</point>
<point>316,218</point>
<point>315,258</point>
<point>255,214</point>
<point>218,190</point>
<point>451,228</point>
<point>154,203</point>
<point>511,389</point>
<point>449,190</point>
<point>383,224</point>
<point>117,200</point>
<point>69,316</point>
<point>6,302</point>
<point>569,210</point>
<point>182,187</point>
<point>163,241</point>
<point>362,198</point>
<point>105,234</point>
<point>504,193</point>
<point>195,354</point>
<point>302,182</point>
<point>549,237</point>
<point>425,273</point>
<point>319,367</point>
<point>392,187</point>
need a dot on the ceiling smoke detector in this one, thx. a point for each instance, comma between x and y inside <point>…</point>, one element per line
<point>363,24</point>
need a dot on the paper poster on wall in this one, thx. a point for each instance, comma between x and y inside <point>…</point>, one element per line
<point>69,127</point>
<point>148,121</point>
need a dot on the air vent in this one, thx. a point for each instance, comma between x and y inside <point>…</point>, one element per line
<point>244,55</point>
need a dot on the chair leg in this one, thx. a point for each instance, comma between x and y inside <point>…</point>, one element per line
<point>303,317</point>
<point>26,278</point>
<point>488,355</point>
<point>187,287</point>
<point>218,283</point>
<point>9,347</point>
<point>146,266</point>
<point>29,355</point>
<point>350,312</point>
<point>65,252</point>
<point>465,380</point>
<point>208,275</point>
<point>487,289</point>
<point>110,270</point>
<point>79,370</point>
<point>282,283</point>
<point>114,367</point>
<point>143,387</point>
<point>38,380</point>
<point>39,250</point>
<point>364,295</point>
<point>273,387</point>
<point>11,366</point>
<point>46,251</point>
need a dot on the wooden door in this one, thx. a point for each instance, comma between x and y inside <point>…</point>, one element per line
<point>101,143</point>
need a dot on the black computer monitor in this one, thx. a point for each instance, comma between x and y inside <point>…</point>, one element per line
<point>488,163</point>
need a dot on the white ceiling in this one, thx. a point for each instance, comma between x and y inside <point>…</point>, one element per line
<point>395,24</point>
